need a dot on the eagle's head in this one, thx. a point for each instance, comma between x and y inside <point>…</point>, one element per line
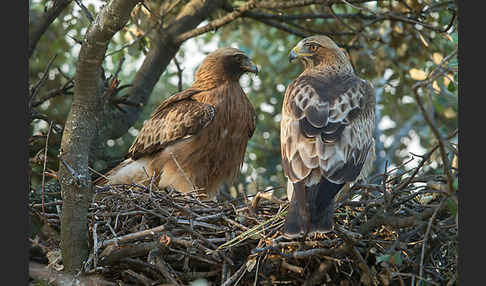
<point>319,51</point>
<point>225,64</point>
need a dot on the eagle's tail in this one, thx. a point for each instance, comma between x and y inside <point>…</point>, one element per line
<point>311,208</point>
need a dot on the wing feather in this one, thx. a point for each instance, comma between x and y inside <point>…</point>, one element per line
<point>177,118</point>
<point>326,125</point>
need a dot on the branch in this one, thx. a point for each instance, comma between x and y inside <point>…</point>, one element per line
<point>280,26</point>
<point>431,78</point>
<point>85,11</point>
<point>34,89</point>
<point>40,27</point>
<point>239,11</point>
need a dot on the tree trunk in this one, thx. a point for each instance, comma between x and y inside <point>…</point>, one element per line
<point>79,131</point>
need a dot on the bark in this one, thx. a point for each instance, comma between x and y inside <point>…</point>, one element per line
<point>79,131</point>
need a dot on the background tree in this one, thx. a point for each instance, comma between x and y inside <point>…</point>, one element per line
<point>407,48</point>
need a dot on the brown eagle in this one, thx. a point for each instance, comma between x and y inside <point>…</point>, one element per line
<point>327,134</point>
<point>197,138</point>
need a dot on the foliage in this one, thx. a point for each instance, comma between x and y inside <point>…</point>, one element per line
<point>385,52</point>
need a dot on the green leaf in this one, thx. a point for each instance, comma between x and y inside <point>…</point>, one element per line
<point>452,206</point>
<point>394,258</point>
<point>384,257</point>
<point>451,87</point>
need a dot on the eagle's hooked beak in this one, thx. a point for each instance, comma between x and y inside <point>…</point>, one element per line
<point>249,66</point>
<point>293,54</point>
<point>298,52</point>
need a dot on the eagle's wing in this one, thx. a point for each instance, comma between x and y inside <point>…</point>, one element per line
<point>327,124</point>
<point>177,118</point>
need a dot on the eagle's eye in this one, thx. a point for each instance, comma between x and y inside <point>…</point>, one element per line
<point>239,58</point>
<point>313,47</point>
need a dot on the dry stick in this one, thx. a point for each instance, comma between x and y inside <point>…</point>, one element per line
<point>54,203</point>
<point>429,226</point>
<point>414,276</point>
<point>188,229</point>
<point>72,172</point>
<point>256,271</point>
<point>44,168</point>
<point>235,276</point>
<point>95,245</point>
<point>35,88</point>
<point>179,74</point>
<point>133,236</point>
<point>240,11</point>
<point>156,259</point>
<point>140,265</point>
<point>182,171</point>
<point>139,277</point>
<point>358,255</point>
<point>293,268</point>
<point>57,92</point>
<point>317,275</point>
<point>85,10</point>
<point>39,271</point>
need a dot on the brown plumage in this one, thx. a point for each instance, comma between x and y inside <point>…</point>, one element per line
<point>196,139</point>
<point>327,133</point>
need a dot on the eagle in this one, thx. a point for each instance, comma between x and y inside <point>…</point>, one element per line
<point>196,139</point>
<point>326,134</point>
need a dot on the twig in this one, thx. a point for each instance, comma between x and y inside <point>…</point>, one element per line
<point>239,11</point>
<point>138,277</point>
<point>85,10</point>
<point>182,171</point>
<point>40,27</point>
<point>72,172</point>
<point>235,276</point>
<point>34,89</point>
<point>316,277</point>
<point>134,236</point>
<point>155,258</point>
<point>58,92</point>
<point>426,236</point>
<point>43,272</point>
<point>432,76</point>
<point>95,245</point>
<point>293,268</point>
<point>44,167</point>
<point>414,276</point>
<point>179,74</point>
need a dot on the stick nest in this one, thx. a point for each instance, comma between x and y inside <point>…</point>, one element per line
<point>398,232</point>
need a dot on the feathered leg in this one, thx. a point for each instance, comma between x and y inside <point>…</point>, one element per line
<point>311,208</point>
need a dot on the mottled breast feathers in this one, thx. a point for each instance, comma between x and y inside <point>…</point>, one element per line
<point>327,127</point>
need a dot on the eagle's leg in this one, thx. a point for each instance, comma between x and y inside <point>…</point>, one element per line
<point>320,198</point>
<point>298,216</point>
